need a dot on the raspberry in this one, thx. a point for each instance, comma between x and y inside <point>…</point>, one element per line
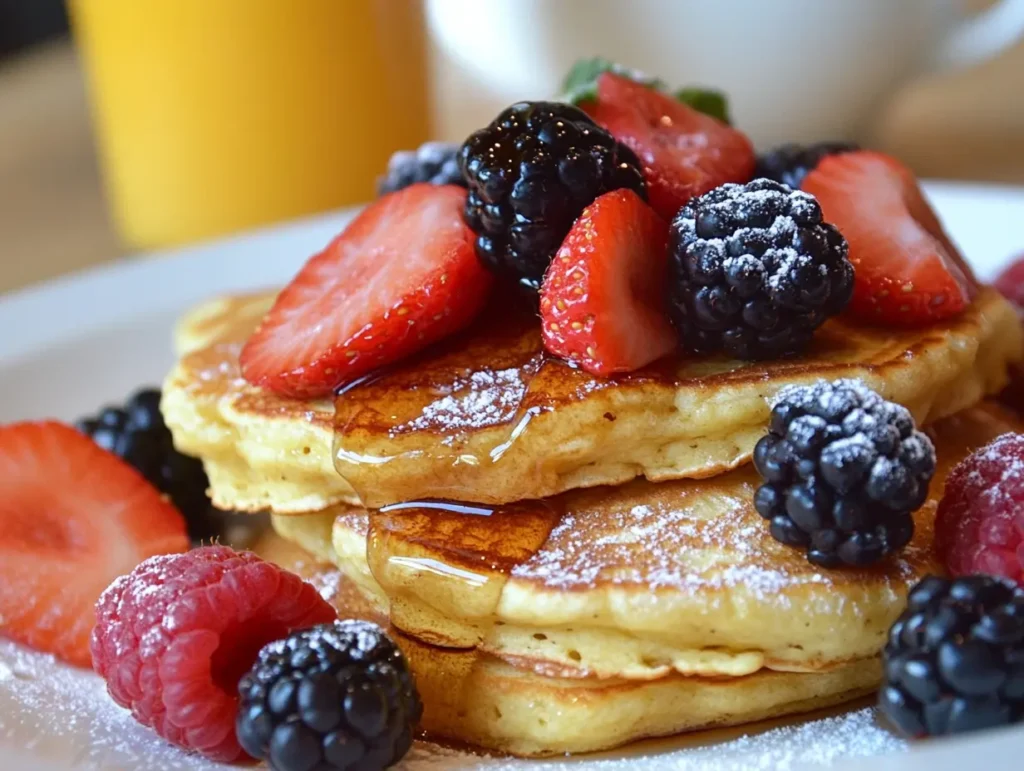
<point>174,637</point>
<point>979,526</point>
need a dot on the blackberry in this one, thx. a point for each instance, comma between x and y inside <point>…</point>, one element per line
<point>336,696</point>
<point>790,163</point>
<point>955,658</point>
<point>530,174</point>
<point>433,162</point>
<point>137,433</point>
<point>754,271</point>
<point>844,469</point>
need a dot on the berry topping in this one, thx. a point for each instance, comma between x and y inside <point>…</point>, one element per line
<point>979,526</point>
<point>602,304</point>
<point>401,276</point>
<point>433,162</point>
<point>337,696</point>
<point>1011,282</point>
<point>684,152</point>
<point>908,272</point>
<point>844,469</point>
<point>530,173</point>
<point>790,163</point>
<point>754,271</point>
<point>137,433</point>
<point>580,85</point>
<point>955,658</point>
<point>73,518</point>
<point>174,636</point>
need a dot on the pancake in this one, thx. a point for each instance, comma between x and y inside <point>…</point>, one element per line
<point>487,417</point>
<point>469,696</point>
<point>636,583</point>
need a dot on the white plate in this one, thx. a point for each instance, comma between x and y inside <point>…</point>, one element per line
<point>72,345</point>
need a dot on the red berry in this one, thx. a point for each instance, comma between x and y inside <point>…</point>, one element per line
<point>907,271</point>
<point>979,526</point>
<point>603,301</point>
<point>1011,282</point>
<point>174,637</point>
<point>402,275</point>
<point>73,517</point>
<point>684,152</point>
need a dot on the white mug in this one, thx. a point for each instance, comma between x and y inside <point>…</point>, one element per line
<point>794,70</point>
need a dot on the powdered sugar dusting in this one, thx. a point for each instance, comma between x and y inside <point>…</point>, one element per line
<point>64,715</point>
<point>868,420</point>
<point>812,744</point>
<point>695,543</point>
<point>763,256</point>
<point>485,398</point>
<point>998,472</point>
<point>696,538</point>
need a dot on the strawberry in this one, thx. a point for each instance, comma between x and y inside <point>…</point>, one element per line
<point>74,517</point>
<point>603,301</point>
<point>907,271</point>
<point>684,152</point>
<point>402,275</point>
<point>1011,282</point>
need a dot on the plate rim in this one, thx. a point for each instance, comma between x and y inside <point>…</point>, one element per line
<point>100,283</point>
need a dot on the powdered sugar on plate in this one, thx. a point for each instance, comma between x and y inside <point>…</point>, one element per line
<point>56,714</point>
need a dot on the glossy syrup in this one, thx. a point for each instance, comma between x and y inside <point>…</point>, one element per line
<point>457,407</point>
<point>439,419</point>
<point>460,406</point>
<point>427,554</point>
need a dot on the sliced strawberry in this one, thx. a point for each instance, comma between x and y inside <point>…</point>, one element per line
<point>1011,282</point>
<point>402,275</point>
<point>684,152</point>
<point>602,304</point>
<point>74,517</point>
<point>908,272</point>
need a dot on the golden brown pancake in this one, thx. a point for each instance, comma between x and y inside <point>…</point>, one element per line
<point>487,417</point>
<point>637,582</point>
<point>472,697</point>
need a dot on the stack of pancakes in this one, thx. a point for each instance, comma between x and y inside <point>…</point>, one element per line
<point>573,562</point>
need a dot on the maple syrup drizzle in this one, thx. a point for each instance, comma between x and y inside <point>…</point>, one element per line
<point>453,559</point>
<point>463,402</point>
<point>455,507</point>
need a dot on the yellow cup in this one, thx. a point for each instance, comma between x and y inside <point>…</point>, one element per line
<point>217,115</point>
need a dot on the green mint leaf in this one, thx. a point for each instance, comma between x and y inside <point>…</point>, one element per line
<point>580,85</point>
<point>705,100</point>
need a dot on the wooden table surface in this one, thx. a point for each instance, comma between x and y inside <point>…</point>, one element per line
<point>967,125</point>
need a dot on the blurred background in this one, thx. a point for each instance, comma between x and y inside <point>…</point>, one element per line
<point>132,125</point>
